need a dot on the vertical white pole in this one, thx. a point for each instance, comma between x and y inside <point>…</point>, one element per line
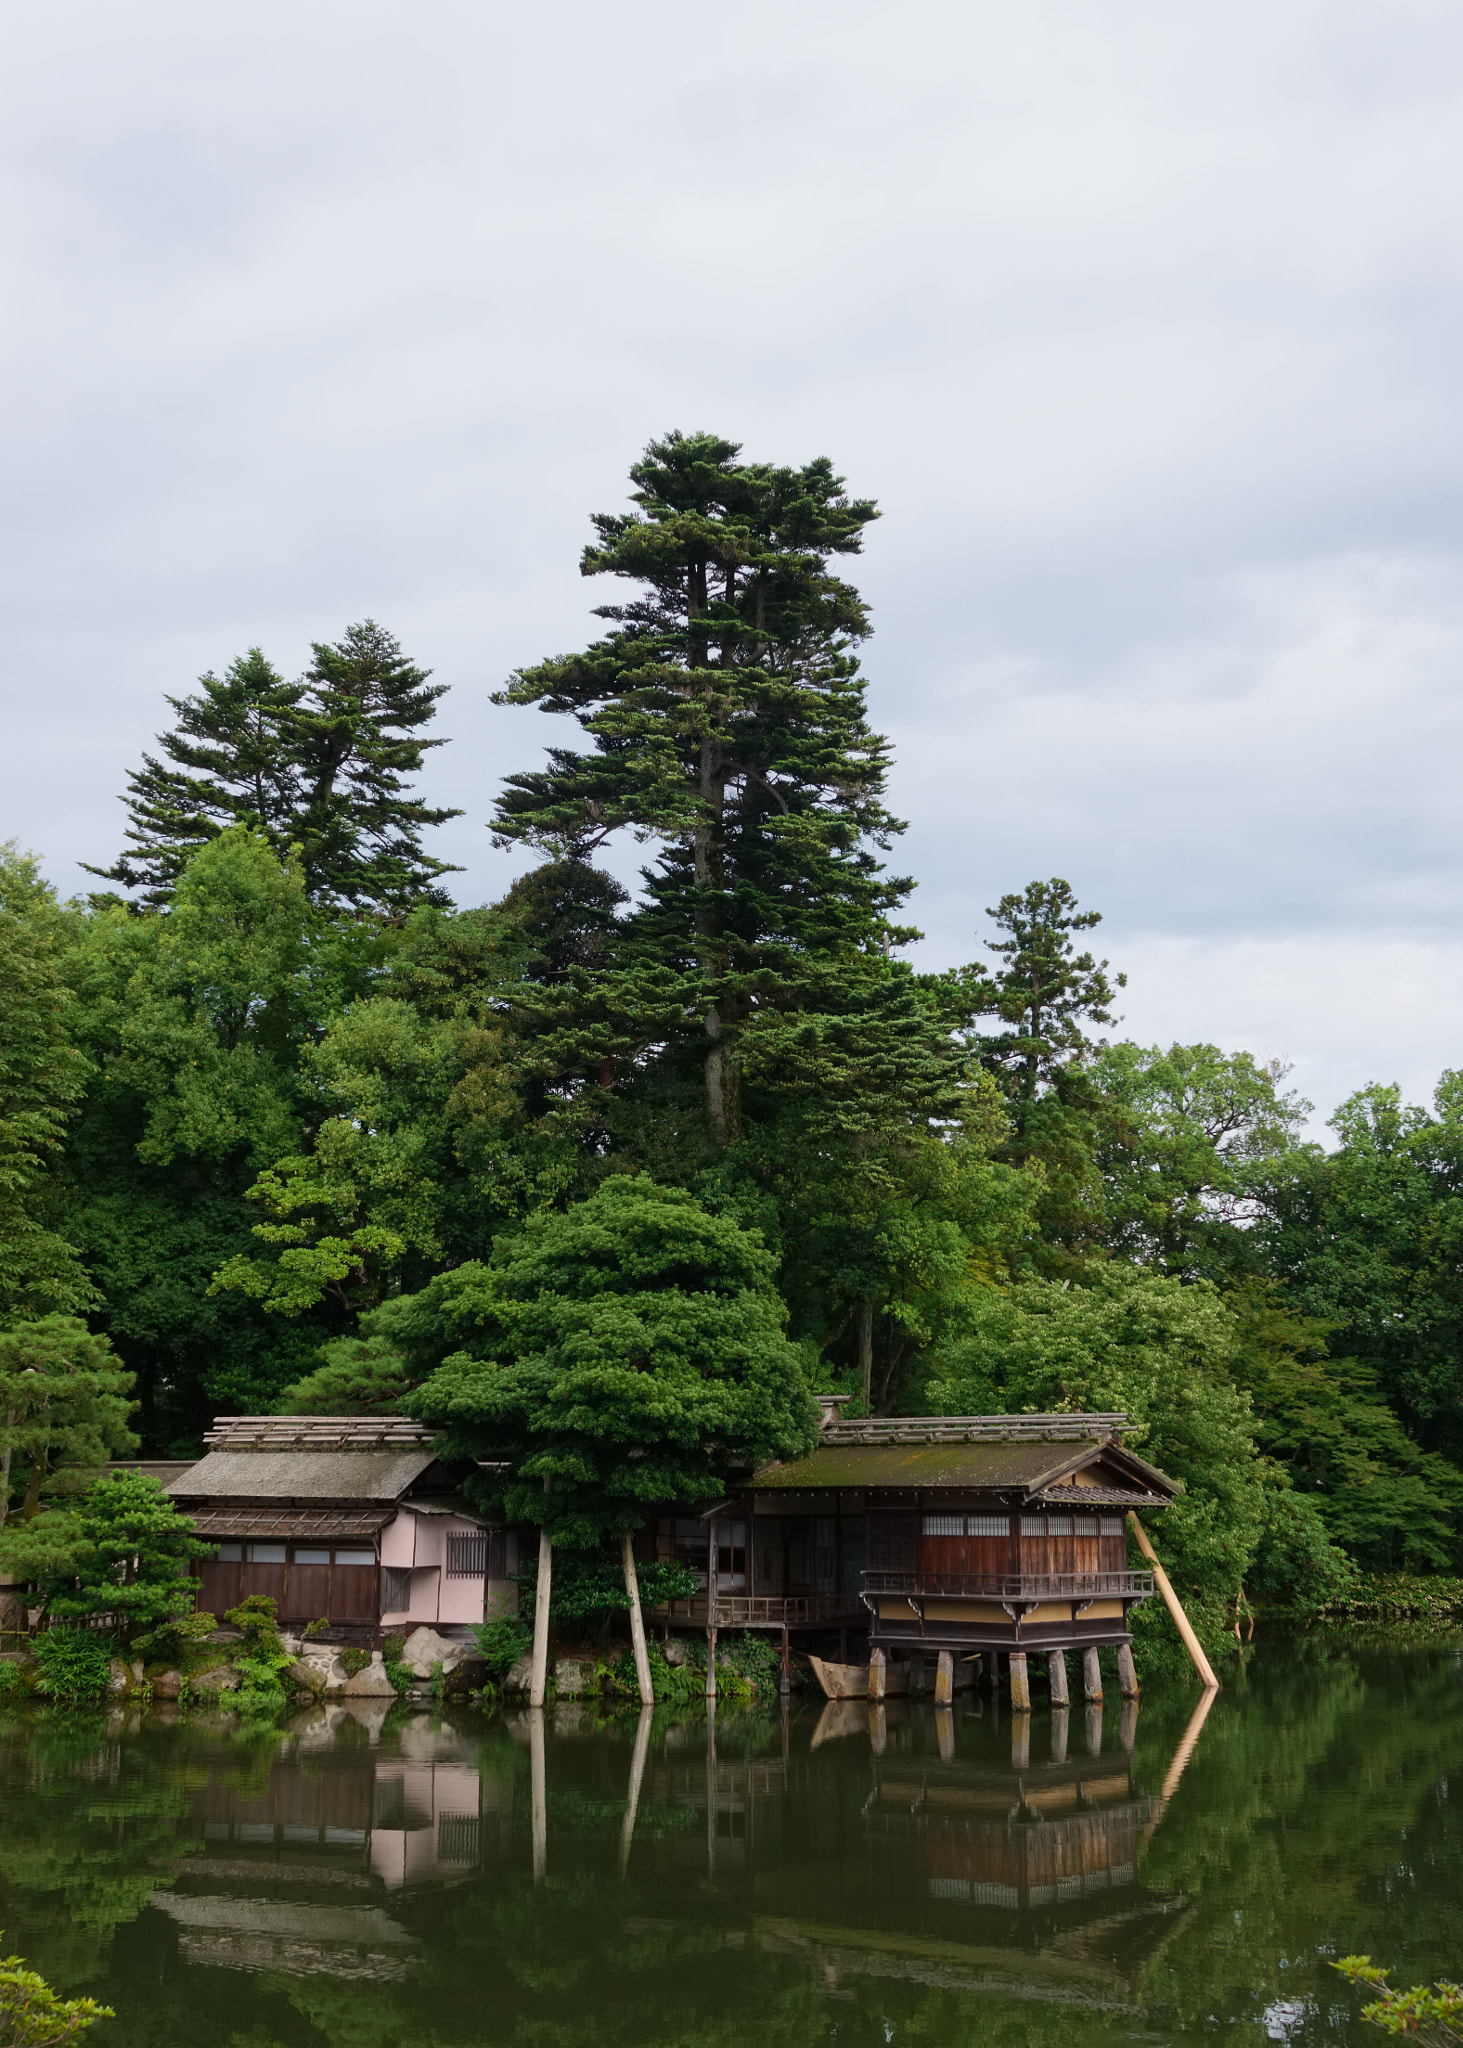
<point>539,1682</point>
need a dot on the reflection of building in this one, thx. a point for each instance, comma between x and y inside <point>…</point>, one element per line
<point>298,1867</point>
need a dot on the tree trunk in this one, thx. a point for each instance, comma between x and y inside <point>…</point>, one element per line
<point>866,1352</point>
<point>5,1467</point>
<point>539,1683</point>
<point>31,1505</point>
<point>637,1623</point>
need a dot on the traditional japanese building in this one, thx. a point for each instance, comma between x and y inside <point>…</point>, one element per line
<point>352,1519</point>
<point>974,1532</point>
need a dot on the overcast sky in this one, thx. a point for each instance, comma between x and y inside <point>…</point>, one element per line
<point>1141,322</point>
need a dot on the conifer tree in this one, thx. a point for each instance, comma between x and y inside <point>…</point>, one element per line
<point>229,761</point>
<point>320,765</point>
<point>727,725</point>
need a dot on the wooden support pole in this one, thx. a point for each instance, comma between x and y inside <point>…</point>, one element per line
<point>1092,1678</point>
<point>1171,1601</point>
<point>945,1733</point>
<point>945,1679</point>
<point>1127,1672</point>
<point>711,1662</point>
<point>1056,1672</point>
<point>713,1592</point>
<point>1020,1684</point>
<point>637,1623</point>
<point>876,1675</point>
<point>538,1684</point>
<point>784,1676</point>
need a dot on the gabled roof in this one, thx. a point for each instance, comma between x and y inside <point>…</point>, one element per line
<point>1032,1457</point>
<point>305,1476</point>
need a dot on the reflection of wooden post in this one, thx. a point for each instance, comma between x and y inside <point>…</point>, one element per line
<point>1187,1743</point>
<point>711,1788</point>
<point>538,1684</point>
<point>1171,1601</point>
<point>878,1726</point>
<point>1056,1672</point>
<point>945,1732</point>
<point>945,1679</point>
<point>1059,1736</point>
<point>637,1779</point>
<point>1128,1725</point>
<point>540,1793</point>
<point>1020,1684</point>
<point>1094,1731</point>
<point>1127,1672</point>
<point>1021,1742</point>
<point>637,1623</point>
<point>1092,1677</point>
<point>876,1674</point>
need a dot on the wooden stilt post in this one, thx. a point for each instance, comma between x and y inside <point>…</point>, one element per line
<point>538,1684</point>
<point>945,1733</point>
<point>876,1675</point>
<point>1020,1684</point>
<point>1171,1601</point>
<point>945,1679</point>
<point>784,1676</point>
<point>1056,1672</point>
<point>713,1560</point>
<point>1127,1672</point>
<point>1092,1678</point>
<point>637,1622</point>
<point>1059,1735</point>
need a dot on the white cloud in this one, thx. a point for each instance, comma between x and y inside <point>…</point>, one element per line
<point>1142,323</point>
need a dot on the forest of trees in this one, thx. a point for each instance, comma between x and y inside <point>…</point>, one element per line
<point>280,1123</point>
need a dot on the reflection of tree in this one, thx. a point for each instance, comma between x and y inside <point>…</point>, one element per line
<point>91,1829</point>
<point>1310,1815</point>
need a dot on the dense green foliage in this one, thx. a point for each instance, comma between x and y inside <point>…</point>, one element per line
<point>291,1131</point>
<point>121,1554</point>
<point>625,1353</point>
<point>33,2016</point>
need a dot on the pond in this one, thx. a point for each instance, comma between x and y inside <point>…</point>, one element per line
<point>381,1880</point>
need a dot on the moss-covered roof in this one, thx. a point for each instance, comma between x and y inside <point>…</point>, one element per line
<point>963,1467</point>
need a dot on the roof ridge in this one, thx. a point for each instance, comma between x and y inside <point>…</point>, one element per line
<point>931,1429</point>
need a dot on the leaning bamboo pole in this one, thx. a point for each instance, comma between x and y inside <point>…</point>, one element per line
<point>538,1685</point>
<point>1171,1601</point>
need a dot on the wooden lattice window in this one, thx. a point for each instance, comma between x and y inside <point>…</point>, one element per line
<point>467,1555</point>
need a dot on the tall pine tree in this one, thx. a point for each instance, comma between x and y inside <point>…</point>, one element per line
<point>321,764</point>
<point>727,724</point>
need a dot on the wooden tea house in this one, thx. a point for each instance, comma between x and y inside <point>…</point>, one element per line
<point>350,1519</point>
<point>962,1534</point>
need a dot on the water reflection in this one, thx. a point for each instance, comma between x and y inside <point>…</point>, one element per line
<point>373,1880</point>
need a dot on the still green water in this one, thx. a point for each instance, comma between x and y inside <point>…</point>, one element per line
<point>368,1880</point>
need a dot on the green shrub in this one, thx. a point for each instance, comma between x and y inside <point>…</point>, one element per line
<point>32,2016</point>
<point>72,1663</point>
<point>263,1659</point>
<point>501,1642</point>
<point>352,1661</point>
<point>1433,2017</point>
<point>12,1679</point>
<point>589,1583</point>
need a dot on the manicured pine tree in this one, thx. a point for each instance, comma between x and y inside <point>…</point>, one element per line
<point>727,724</point>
